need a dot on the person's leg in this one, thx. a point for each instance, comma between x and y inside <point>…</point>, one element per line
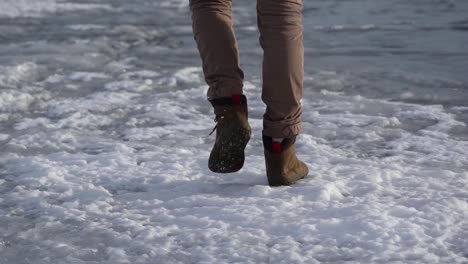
<point>214,34</point>
<point>280,25</point>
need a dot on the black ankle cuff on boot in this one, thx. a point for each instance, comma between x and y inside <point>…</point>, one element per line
<point>238,99</point>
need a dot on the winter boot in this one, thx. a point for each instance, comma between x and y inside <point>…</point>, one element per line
<point>232,134</point>
<point>282,165</point>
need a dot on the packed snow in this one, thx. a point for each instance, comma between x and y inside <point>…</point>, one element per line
<point>104,139</point>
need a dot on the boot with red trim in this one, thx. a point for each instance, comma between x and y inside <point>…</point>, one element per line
<point>232,134</point>
<point>282,165</point>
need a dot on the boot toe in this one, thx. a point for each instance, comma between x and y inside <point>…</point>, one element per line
<point>304,169</point>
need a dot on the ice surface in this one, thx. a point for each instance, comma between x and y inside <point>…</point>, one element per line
<point>104,138</point>
<point>34,8</point>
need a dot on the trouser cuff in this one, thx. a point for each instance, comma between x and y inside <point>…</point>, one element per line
<point>224,89</point>
<point>281,129</point>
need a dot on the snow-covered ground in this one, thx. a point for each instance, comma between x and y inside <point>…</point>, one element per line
<point>104,138</point>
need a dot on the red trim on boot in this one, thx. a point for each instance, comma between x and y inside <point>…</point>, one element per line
<point>236,99</point>
<point>276,147</point>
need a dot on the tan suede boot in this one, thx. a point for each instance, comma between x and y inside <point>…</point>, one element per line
<point>282,165</point>
<point>232,134</point>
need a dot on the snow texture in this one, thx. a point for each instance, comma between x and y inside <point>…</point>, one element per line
<point>104,138</point>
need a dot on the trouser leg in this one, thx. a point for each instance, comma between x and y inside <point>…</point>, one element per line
<point>214,34</point>
<point>280,25</point>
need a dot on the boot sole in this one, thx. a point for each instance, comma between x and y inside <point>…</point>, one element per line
<point>278,181</point>
<point>228,155</point>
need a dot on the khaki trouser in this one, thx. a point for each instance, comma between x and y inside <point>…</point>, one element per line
<point>280,26</point>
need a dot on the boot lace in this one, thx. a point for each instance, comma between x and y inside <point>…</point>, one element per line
<point>216,119</point>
